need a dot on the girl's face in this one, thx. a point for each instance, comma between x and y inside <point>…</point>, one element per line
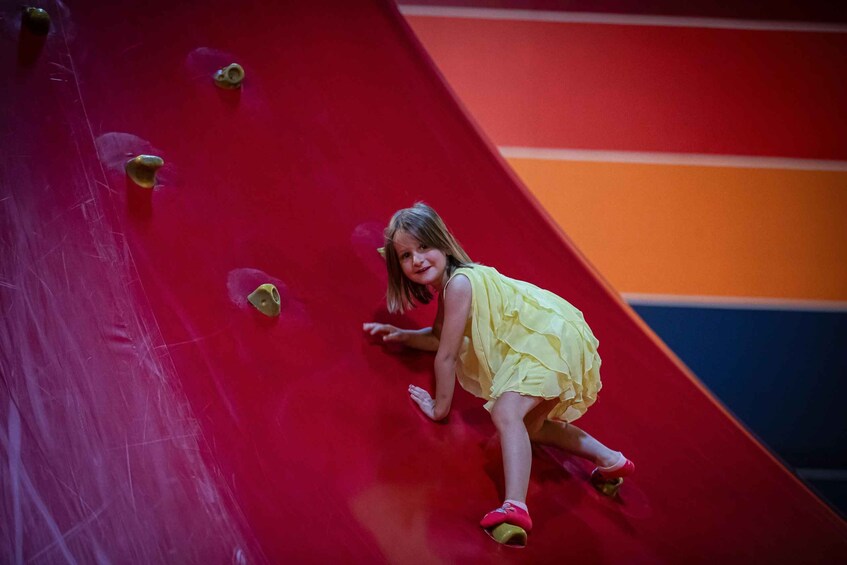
<point>421,264</point>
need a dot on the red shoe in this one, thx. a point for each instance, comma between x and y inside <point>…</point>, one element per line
<point>507,514</point>
<point>619,470</point>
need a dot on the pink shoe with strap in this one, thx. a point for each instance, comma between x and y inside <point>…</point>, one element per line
<point>620,469</point>
<point>507,514</point>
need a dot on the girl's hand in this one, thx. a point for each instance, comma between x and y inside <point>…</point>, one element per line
<point>388,332</point>
<point>424,401</point>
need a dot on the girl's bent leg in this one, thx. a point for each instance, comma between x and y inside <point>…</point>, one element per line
<point>508,415</point>
<point>576,441</point>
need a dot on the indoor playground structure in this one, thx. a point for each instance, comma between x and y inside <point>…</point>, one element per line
<point>694,153</point>
<point>191,199</point>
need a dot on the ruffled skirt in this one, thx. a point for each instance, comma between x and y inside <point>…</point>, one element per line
<point>527,340</point>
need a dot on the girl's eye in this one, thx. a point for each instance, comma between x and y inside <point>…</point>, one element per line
<point>404,255</point>
<point>424,246</point>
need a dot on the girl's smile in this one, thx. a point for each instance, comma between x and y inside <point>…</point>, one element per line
<point>420,263</point>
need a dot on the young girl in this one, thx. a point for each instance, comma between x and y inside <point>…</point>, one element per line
<point>528,352</point>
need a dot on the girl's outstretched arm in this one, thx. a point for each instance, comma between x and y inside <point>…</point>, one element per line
<point>425,339</point>
<point>457,306</point>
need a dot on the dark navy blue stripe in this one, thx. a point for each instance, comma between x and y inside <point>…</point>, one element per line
<point>782,373</point>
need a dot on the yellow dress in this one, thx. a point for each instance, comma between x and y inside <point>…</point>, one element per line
<point>524,339</point>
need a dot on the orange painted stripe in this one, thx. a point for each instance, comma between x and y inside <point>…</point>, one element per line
<point>691,230</point>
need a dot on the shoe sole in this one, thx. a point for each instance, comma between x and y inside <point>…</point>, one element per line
<point>508,535</point>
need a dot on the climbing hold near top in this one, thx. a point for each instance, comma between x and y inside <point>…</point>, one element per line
<point>381,251</point>
<point>36,20</point>
<point>266,299</point>
<point>142,169</point>
<point>230,76</point>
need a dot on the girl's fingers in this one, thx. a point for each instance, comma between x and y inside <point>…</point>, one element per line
<point>395,335</point>
<point>419,394</point>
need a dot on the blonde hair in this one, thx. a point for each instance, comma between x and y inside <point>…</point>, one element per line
<point>424,224</point>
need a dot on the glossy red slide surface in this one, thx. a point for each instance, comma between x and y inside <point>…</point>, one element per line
<point>149,414</point>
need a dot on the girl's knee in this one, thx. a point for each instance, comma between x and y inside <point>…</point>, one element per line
<point>504,418</point>
<point>511,409</point>
<point>501,419</point>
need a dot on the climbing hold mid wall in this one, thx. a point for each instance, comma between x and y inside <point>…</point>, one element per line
<point>230,76</point>
<point>266,299</point>
<point>142,169</point>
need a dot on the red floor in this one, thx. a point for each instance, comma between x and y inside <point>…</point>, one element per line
<point>149,414</point>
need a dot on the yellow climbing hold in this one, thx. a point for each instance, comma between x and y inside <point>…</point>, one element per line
<point>142,170</point>
<point>230,76</point>
<point>606,487</point>
<point>266,299</point>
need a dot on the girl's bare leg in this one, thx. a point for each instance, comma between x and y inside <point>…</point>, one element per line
<point>508,415</point>
<point>568,437</point>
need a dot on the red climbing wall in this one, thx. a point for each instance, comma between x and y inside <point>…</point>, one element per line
<point>150,414</point>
